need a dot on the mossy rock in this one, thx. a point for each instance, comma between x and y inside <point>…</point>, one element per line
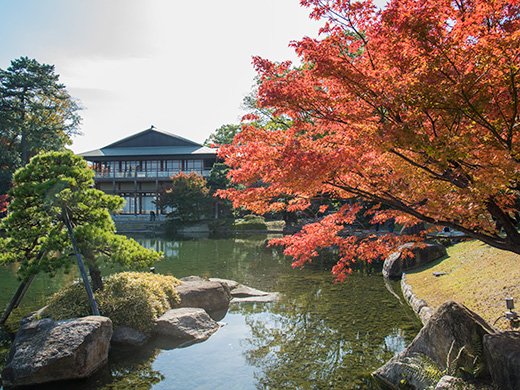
<point>133,299</point>
<point>250,222</point>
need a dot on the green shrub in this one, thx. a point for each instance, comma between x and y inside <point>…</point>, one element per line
<point>250,222</point>
<point>133,299</point>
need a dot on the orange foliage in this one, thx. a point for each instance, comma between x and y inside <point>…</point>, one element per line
<point>414,106</point>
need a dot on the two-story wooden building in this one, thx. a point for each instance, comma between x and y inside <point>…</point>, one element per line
<point>136,167</point>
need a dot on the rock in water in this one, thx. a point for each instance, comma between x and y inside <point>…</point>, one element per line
<point>230,283</point>
<point>125,337</point>
<point>46,351</point>
<point>396,263</point>
<point>186,323</point>
<point>242,291</point>
<point>452,326</point>
<point>210,296</point>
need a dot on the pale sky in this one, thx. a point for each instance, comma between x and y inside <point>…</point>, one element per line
<point>182,66</point>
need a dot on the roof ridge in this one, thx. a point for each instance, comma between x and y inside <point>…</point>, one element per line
<point>154,129</point>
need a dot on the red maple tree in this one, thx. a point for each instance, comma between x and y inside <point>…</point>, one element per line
<point>415,107</point>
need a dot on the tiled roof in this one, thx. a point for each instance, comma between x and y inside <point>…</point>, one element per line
<point>149,151</point>
<point>150,142</point>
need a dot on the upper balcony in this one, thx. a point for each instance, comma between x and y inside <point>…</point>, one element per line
<point>133,174</point>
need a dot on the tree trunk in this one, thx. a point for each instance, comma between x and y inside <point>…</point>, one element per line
<point>81,266</point>
<point>95,277</point>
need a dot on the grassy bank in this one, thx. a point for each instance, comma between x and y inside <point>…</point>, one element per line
<point>478,276</point>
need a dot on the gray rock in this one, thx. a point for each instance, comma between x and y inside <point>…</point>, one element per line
<point>395,264</point>
<point>447,382</point>
<point>230,283</point>
<point>186,323</point>
<point>242,291</point>
<point>192,279</point>
<point>126,337</point>
<point>425,314</point>
<point>34,316</point>
<point>46,351</point>
<point>451,326</point>
<point>268,297</point>
<point>502,352</point>
<point>417,303</point>
<point>210,296</point>
<point>420,306</point>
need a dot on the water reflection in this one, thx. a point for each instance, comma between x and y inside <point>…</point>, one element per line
<point>320,335</point>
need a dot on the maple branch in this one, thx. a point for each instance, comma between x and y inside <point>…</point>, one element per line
<point>504,220</point>
<point>511,242</point>
<point>415,164</point>
<point>446,176</point>
<point>432,121</point>
<point>479,118</point>
<point>365,45</point>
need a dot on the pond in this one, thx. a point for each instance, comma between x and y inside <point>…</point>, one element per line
<point>320,335</point>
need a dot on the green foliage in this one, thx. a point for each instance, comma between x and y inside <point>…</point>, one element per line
<point>474,368</point>
<point>50,188</point>
<point>263,117</point>
<point>187,196</point>
<point>5,347</point>
<point>218,177</point>
<point>250,222</point>
<point>133,299</point>
<point>10,161</point>
<point>223,135</point>
<point>36,114</point>
<point>218,180</point>
<point>423,369</point>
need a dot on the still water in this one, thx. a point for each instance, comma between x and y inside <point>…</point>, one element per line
<point>320,335</point>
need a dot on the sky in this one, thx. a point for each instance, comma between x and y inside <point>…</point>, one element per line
<point>182,66</point>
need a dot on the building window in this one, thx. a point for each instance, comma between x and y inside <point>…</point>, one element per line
<point>129,206</point>
<point>194,166</point>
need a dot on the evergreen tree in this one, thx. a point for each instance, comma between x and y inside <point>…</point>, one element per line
<point>55,188</point>
<point>36,114</point>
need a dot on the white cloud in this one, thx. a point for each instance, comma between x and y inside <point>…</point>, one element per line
<point>182,66</point>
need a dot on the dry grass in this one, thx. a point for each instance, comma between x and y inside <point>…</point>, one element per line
<point>478,276</point>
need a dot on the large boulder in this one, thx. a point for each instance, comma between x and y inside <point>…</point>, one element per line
<point>451,328</point>
<point>46,351</point>
<point>187,323</point>
<point>210,296</point>
<point>502,352</point>
<point>397,262</point>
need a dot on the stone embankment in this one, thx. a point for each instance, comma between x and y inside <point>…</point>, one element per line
<point>452,337</point>
<point>45,350</point>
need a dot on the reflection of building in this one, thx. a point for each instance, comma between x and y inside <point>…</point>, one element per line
<point>136,167</point>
